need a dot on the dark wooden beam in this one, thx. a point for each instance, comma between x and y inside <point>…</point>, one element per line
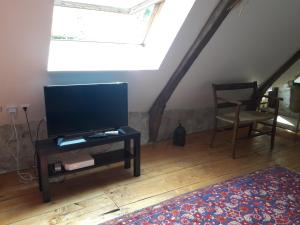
<point>281,70</point>
<point>211,26</point>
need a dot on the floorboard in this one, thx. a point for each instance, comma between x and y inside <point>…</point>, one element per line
<point>167,171</point>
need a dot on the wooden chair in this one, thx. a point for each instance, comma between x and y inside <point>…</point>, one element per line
<point>243,113</point>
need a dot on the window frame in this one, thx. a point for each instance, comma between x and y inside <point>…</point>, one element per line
<point>128,11</point>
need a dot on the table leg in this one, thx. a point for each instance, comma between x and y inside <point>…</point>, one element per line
<point>127,154</point>
<point>38,162</point>
<point>137,156</point>
<point>44,178</point>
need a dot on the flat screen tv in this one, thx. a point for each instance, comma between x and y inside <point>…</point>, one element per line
<point>74,109</point>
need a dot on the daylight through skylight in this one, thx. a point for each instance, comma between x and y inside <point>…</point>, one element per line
<point>101,23</point>
<point>99,35</point>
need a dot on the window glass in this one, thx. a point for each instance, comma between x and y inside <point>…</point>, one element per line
<point>74,24</point>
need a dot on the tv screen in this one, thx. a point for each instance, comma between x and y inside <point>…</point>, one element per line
<point>72,109</point>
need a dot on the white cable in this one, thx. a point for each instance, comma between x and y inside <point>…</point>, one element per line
<point>11,138</point>
<point>25,177</point>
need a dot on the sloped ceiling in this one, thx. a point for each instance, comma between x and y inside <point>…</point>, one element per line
<point>254,40</point>
<point>248,46</point>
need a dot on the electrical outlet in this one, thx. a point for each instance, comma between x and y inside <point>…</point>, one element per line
<point>12,109</point>
<point>25,106</point>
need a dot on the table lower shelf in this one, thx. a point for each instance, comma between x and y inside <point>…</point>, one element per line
<point>101,159</point>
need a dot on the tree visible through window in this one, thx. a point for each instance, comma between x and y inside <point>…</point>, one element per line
<point>104,21</point>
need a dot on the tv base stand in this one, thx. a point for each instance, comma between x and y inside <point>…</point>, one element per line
<point>48,147</point>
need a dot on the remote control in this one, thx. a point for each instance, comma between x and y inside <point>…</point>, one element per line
<point>113,132</point>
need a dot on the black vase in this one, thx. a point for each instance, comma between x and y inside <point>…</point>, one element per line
<point>179,136</point>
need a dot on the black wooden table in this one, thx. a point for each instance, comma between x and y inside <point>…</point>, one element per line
<point>48,147</point>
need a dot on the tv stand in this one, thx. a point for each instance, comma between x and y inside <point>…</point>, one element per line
<point>48,147</point>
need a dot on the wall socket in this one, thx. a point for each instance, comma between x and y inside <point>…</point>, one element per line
<point>24,106</point>
<point>12,109</point>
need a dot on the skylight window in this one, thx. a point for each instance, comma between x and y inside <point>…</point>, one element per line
<point>112,35</point>
<point>103,21</point>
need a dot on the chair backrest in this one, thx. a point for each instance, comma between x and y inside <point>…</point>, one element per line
<point>249,103</point>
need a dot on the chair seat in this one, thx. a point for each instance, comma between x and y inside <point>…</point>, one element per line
<point>246,116</point>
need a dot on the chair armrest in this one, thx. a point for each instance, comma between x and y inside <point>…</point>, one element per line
<point>237,106</point>
<point>229,101</point>
<point>276,106</point>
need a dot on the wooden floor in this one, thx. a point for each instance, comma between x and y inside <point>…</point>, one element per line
<point>167,171</point>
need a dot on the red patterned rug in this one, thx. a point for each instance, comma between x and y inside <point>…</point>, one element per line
<point>270,196</point>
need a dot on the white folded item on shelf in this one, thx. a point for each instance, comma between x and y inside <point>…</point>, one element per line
<point>75,161</point>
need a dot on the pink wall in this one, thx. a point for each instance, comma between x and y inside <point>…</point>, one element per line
<point>24,41</point>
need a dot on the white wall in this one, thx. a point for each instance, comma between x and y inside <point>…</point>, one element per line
<point>249,46</point>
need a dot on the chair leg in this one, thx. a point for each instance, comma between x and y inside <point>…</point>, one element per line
<point>214,133</point>
<point>250,129</point>
<point>234,139</point>
<point>273,133</point>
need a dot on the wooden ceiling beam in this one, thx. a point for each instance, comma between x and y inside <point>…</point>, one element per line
<point>214,21</point>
